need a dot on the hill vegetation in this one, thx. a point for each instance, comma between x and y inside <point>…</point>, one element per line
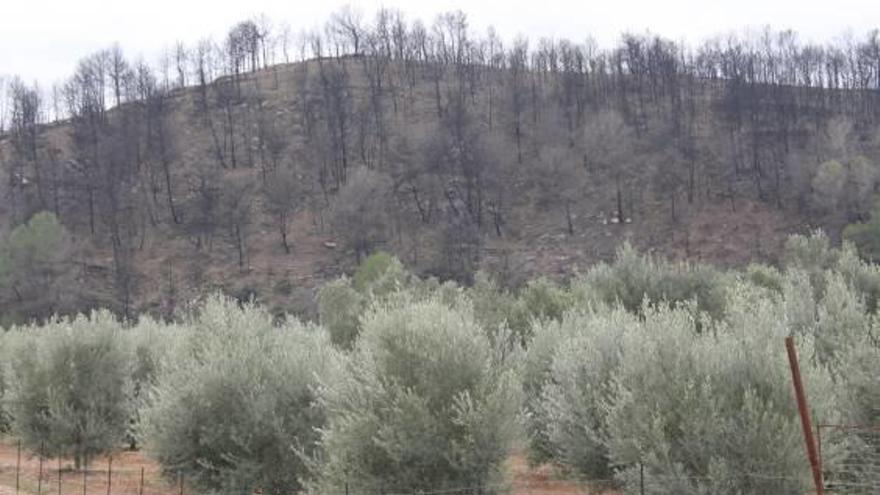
<point>265,164</point>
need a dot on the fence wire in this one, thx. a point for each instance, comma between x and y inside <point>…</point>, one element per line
<point>856,471</point>
<point>150,482</point>
<point>853,468</point>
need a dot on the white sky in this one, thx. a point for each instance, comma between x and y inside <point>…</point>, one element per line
<point>42,39</point>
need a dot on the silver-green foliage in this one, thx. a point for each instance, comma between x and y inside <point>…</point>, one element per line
<point>634,277</point>
<point>68,386</point>
<point>764,276</point>
<point>5,357</point>
<point>676,368</point>
<point>567,379</point>
<point>539,300</point>
<point>341,302</point>
<point>339,310</point>
<point>492,305</point>
<point>235,409</point>
<point>426,402</point>
<point>704,408</point>
<point>147,343</point>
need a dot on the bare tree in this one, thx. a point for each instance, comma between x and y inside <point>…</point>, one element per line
<point>181,60</point>
<point>286,192</point>
<point>4,105</point>
<point>517,63</point>
<point>120,73</point>
<point>336,104</point>
<point>266,39</point>
<point>243,47</point>
<point>608,145</point>
<point>236,210</point>
<point>346,29</point>
<point>359,213</point>
<point>26,116</point>
<point>285,38</point>
<point>202,210</point>
<point>561,177</point>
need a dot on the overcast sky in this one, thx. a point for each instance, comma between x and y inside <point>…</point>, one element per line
<point>42,39</point>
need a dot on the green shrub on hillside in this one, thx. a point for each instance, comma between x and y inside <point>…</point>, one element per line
<point>34,267</point>
<point>379,274</point>
<point>828,186</point>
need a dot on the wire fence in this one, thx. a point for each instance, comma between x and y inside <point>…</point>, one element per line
<point>854,468</point>
<point>644,484</point>
<point>37,476</point>
<point>28,474</point>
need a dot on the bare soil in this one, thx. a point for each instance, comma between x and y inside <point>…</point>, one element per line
<point>544,480</point>
<point>125,476</point>
<point>127,467</point>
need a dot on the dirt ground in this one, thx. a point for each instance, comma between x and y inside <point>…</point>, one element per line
<point>126,469</point>
<point>543,480</point>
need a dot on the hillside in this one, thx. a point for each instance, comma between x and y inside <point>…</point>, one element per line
<point>265,179</point>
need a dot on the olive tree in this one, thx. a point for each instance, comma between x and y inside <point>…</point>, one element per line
<point>69,388</point>
<point>339,308</point>
<point>426,402</point>
<point>234,408</point>
<point>554,436</point>
<point>342,301</point>
<point>701,409</point>
<point>632,278</point>
<point>5,344</point>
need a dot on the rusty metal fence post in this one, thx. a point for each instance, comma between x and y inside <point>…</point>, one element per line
<point>804,411</point>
